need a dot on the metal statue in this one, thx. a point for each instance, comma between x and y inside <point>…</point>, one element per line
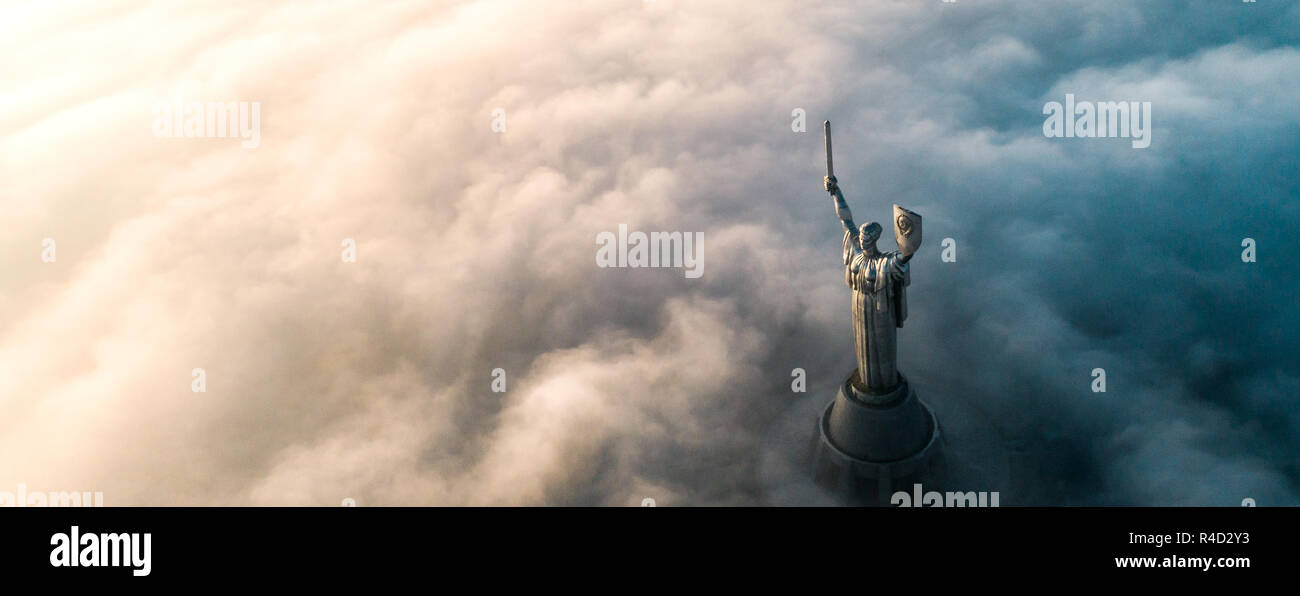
<point>879,281</point>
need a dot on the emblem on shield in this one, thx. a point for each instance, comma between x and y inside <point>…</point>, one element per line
<point>907,230</point>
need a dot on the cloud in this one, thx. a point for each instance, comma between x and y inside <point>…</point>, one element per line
<point>475,249</point>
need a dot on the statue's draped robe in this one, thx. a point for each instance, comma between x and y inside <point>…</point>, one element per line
<point>879,309</point>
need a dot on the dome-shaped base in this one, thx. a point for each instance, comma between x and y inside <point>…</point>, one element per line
<point>868,446</point>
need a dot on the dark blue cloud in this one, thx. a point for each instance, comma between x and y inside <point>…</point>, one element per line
<point>1083,253</point>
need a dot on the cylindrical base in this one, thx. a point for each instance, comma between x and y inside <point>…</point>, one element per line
<point>869,446</point>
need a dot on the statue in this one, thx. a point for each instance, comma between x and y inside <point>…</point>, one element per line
<point>876,435</point>
<point>879,281</point>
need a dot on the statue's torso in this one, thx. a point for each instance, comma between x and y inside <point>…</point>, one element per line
<point>876,282</point>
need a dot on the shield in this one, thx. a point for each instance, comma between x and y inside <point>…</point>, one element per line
<point>907,230</point>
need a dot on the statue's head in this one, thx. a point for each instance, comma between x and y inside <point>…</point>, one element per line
<point>868,234</point>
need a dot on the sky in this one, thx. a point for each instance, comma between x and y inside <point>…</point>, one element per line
<point>469,154</point>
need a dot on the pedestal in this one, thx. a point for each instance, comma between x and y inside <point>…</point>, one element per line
<point>868,446</point>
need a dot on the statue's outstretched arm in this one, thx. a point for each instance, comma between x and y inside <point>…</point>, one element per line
<point>842,211</point>
<point>898,265</point>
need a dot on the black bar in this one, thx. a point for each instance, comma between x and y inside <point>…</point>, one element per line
<point>315,544</point>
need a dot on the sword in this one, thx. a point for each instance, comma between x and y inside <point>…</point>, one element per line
<point>830,165</point>
<point>841,208</point>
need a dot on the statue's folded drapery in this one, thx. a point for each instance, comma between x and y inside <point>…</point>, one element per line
<point>879,308</point>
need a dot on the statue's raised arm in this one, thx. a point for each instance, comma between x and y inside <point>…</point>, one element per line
<point>841,208</point>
